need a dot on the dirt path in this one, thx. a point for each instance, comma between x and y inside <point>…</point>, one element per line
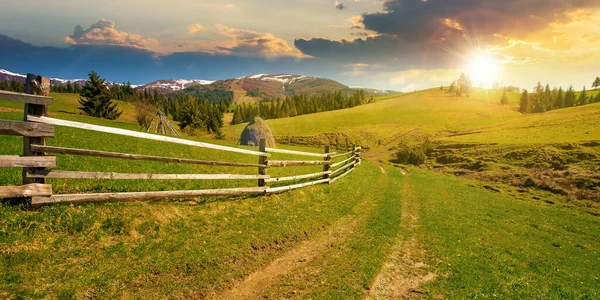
<point>294,260</point>
<point>403,272</point>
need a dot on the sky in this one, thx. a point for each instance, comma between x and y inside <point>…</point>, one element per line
<point>401,45</point>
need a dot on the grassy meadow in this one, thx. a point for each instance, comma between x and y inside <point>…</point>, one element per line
<point>463,225</point>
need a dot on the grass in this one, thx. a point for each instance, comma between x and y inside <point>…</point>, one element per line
<point>487,245</point>
<point>482,239</point>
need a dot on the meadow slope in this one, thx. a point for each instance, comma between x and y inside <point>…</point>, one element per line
<point>384,232</point>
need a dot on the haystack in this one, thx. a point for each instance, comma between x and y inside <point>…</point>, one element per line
<point>256,130</point>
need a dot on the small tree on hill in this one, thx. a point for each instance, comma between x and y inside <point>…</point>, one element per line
<point>560,99</point>
<point>504,99</point>
<point>464,85</point>
<point>596,83</point>
<point>95,99</point>
<point>524,102</point>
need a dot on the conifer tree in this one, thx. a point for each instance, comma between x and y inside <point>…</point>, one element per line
<point>95,99</point>
<point>570,97</point>
<point>583,98</point>
<point>560,99</point>
<point>524,102</point>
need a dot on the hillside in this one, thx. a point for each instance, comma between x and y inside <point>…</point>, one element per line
<point>387,231</point>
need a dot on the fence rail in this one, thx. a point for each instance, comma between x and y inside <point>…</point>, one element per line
<point>37,126</point>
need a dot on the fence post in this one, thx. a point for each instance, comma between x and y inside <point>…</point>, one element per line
<point>326,167</point>
<point>262,160</point>
<point>35,85</point>
<point>354,154</point>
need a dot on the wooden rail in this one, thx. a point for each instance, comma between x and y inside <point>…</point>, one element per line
<point>339,177</point>
<point>274,150</point>
<point>298,177</point>
<point>340,169</point>
<point>295,186</point>
<point>29,190</point>
<point>127,176</point>
<point>84,152</point>
<point>134,196</point>
<point>28,129</point>
<point>292,163</point>
<point>342,162</point>
<point>143,135</point>
<point>27,161</point>
<point>341,154</point>
<point>26,98</point>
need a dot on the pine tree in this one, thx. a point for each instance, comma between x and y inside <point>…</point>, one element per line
<point>583,98</point>
<point>570,97</point>
<point>596,83</point>
<point>560,99</point>
<point>504,99</point>
<point>547,98</point>
<point>95,99</point>
<point>524,102</point>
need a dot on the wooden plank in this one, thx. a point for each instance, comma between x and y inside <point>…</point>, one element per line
<point>274,150</point>
<point>339,177</point>
<point>29,190</point>
<point>298,177</point>
<point>341,154</point>
<point>26,98</point>
<point>340,169</point>
<point>135,196</point>
<point>141,135</point>
<point>291,163</point>
<point>295,186</point>
<point>127,176</point>
<point>27,161</point>
<point>342,162</point>
<point>40,86</point>
<point>29,129</point>
<point>96,153</point>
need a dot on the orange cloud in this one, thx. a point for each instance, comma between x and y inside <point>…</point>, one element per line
<point>103,32</point>
<point>193,28</point>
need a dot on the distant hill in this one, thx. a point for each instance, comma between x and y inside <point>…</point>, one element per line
<point>246,89</point>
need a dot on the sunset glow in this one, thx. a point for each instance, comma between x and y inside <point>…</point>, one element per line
<point>482,70</point>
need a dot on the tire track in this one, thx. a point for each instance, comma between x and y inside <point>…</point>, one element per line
<point>403,272</point>
<point>298,258</point>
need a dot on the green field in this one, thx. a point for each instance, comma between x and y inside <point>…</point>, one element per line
<point>384,232</point>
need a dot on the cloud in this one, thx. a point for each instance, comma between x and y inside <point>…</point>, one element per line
<point>193,28</point>
<point>253,43</point>
<point>433,34</point>
<point>103,32</point>
<point>340,6</point>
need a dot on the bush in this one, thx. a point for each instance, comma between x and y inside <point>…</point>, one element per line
<point>410,155</point>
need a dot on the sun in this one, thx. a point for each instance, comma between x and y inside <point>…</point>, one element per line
<point>483,70</point>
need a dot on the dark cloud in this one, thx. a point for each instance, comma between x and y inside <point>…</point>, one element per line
<point>431,32</point>
<point>340,6</point>
<point>432,20</point>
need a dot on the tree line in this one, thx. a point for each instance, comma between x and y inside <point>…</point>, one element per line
<point>544,99</point>
<point>299,105</point>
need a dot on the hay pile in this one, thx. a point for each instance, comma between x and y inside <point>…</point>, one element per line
<point>256,130</point>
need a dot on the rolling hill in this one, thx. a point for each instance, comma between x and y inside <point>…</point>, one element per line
<point>387,231</point>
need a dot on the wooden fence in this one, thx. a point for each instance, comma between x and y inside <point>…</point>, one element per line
<point>37,126</point>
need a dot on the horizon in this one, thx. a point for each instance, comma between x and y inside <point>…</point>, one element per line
<point>390,45</point>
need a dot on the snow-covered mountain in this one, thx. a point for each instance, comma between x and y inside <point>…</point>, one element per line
<point>257,86</point>
<point>173,85</point>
